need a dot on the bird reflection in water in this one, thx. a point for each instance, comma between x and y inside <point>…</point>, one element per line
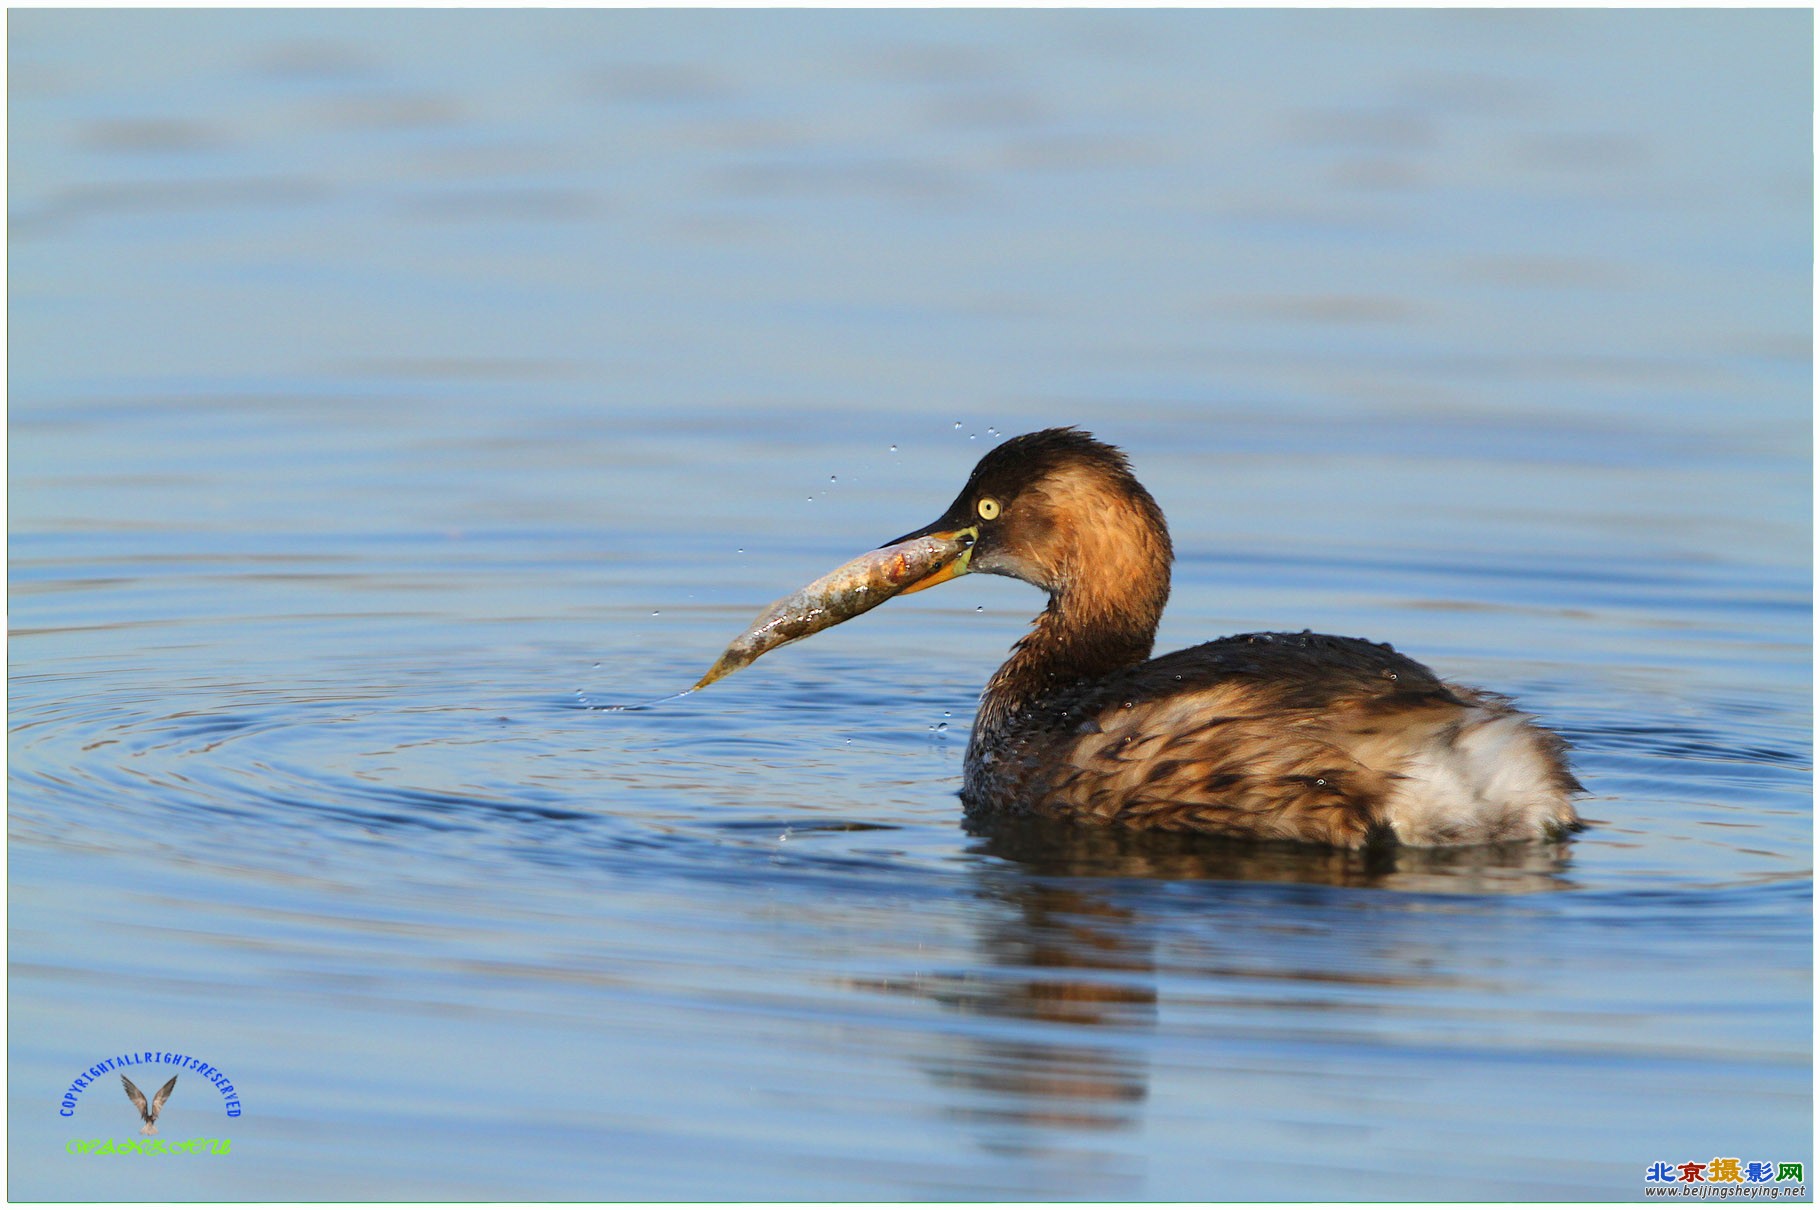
<point>1066,989</point>
<point>1053,847</point>
<point>1067,980</point>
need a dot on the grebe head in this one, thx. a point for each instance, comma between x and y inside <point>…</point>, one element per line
<point>1056,509</point>
<point>1061,510</point>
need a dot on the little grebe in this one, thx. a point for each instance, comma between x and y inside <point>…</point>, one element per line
<point>1300,737</point>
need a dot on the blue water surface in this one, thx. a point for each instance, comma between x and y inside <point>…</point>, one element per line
<point>389,390</point>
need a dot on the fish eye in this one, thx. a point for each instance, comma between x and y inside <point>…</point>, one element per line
<point>988,508</point>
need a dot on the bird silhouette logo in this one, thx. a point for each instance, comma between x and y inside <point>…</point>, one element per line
<point>149,1113</point>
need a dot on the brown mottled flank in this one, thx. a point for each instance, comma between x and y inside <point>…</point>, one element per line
<point>1301,737</point>
<point>1269,736</point>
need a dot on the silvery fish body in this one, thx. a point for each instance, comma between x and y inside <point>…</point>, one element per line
<point>846,592</point>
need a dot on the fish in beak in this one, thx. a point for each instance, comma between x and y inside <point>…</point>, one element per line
<point>930,556</point>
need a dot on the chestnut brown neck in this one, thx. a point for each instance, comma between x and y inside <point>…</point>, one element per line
<point>1094,626</point>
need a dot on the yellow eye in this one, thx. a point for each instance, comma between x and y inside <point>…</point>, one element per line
<point>988,508</point>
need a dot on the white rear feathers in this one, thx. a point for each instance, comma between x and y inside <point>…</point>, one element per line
<point>1493,777</point>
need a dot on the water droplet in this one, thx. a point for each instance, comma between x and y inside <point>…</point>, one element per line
<point>1320,781</point>
<point>979,609</point>
<point>833,478</point>
<point>597,665</point>
<point>1127,705</point>
<point>812,499</point>
<point>973,436</point>
<point>957,426</point>
<point>1178,676</point>
<point>947,714</point>
<point>742,550</point>
<point>655,612</point>
<point>894,449</point>
<point>941,727</point>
